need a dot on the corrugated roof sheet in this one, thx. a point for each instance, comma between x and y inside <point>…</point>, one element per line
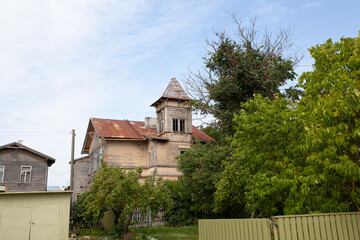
<point>124,129</point>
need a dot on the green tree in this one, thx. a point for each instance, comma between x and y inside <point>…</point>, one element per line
<point>302,157</point>
<point>330,114</point>
<point>122,192</point>
<point>260,173</point>
<point>236,70</point>
<point>202,167</point>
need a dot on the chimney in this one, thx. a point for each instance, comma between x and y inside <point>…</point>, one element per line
<point>150,122</point>
<point>20,141</point>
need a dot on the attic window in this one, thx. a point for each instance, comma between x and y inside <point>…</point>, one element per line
<point>2,173</point>
<point>25,175</point>
<point>178,125</point>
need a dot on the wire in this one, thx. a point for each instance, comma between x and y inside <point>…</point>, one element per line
<point>58,174</point>
<point>34,135</point>
<point>36,124</point>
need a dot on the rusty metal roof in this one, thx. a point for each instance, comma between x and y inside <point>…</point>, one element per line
<point>173,91</point>
<point>129,130</point>
<point>200,135</point>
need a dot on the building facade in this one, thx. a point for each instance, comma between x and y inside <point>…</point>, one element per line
<point>23,169</point>
<point>151,145</point>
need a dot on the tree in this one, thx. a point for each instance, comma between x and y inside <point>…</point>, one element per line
<point>201,167</point>
<point>122,192</point>
<point>260,174</point>
<point>302,157</point>
<point>235,70</point>
<point>330,113</point>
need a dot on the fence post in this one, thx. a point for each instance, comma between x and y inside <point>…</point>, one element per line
<point>150,219</point>
<point>274,227</point>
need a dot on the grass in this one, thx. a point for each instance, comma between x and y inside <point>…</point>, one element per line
<point>159,233</point>
<point>170,233</point>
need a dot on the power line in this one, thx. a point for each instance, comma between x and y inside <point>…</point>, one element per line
<point>58,174</point>
<point>34,135</point>
<point>29,122</point>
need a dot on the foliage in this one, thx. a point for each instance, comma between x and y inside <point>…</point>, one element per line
<point>167,233</point>
<point>178,213</point>
<point>238,69</point>
<point>302,157</point>
<point>265,155</point>
<point>122,192</point>
<point>202,167</point>
<point>77,212</point>
<point>330,112</point>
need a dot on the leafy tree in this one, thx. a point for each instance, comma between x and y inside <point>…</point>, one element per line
<point>330,113</point>
<point>122,192</point>
<point>302,157</point>
<point>236,70</point>
<point>178,214</point>
<point>201,167</point>
<point>259,177</point>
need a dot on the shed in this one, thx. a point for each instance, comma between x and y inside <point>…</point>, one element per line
<point>35,215</point>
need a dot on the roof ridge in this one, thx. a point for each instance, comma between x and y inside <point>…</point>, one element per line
<point>133,129</point>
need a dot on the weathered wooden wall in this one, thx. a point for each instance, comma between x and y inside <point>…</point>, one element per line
<point>81,175</point>
<point>13,159</point>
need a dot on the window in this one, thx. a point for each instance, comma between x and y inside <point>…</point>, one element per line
<point>2,173</point>
<point>178,125</point>
<point>25,176</point>
<point>161,126</point>
<point>181,151</point>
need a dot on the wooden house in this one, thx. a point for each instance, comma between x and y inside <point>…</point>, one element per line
<point>23,169</point>
<point>151,145</point>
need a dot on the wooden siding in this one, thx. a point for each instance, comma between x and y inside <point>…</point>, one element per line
<point>13,159</point>
<point>234,229</point>
<point>81,175</point>
<point>127,153</point>
<point>36,215</point>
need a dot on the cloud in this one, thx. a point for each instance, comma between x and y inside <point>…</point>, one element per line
<point>271,12</point>
<point>64,61</point>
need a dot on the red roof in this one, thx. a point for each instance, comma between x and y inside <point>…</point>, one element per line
<point>130,130</point>
<point>125,129</point>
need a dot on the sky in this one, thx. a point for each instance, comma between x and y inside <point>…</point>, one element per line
<point>63,62</point>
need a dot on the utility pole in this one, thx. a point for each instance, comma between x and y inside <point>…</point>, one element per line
<point>72,160</point>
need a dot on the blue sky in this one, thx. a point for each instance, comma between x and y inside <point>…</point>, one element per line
<point>63,62</point>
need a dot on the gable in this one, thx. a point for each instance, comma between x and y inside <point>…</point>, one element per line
<point>16,145</point>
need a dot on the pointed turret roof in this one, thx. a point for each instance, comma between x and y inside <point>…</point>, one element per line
<point>173,91</point>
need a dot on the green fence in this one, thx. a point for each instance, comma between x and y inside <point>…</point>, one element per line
<point>239,229</point>
<point>337,226</point>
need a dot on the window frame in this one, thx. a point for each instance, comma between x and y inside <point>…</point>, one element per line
<point>178,125</point>
<point>23,171</point>
<point>2,169</point>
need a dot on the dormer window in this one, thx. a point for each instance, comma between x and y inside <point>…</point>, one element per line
<point>178,125</point>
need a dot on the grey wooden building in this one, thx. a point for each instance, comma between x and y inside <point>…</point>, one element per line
<point>23,168</point>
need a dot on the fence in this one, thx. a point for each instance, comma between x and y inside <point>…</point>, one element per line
<point>137,219</point>
<point>338,226</point>
<point>318,226</point>
<point>145,220</point>
<point>240,229</point>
